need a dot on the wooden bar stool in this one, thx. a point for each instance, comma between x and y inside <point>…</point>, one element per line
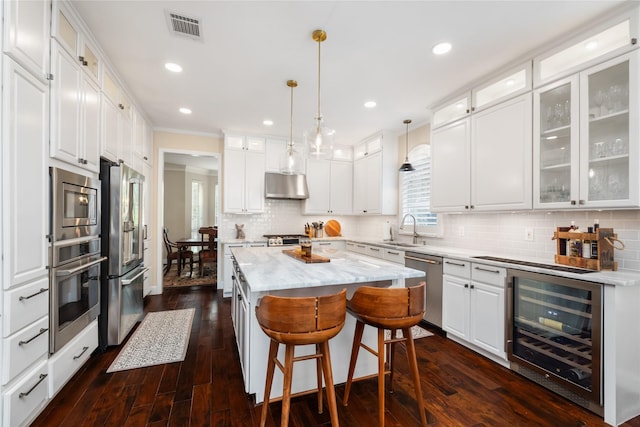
<point>393,309</point>
<point>301,321</point>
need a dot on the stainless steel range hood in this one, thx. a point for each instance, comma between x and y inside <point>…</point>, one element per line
<point>281,186</point>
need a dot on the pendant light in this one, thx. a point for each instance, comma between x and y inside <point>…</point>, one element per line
<point>406,166</point>
<point>319,139</point>
<point>291,162</point>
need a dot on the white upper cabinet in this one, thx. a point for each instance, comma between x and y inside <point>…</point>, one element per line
<point>375,175</point>
<point>586,143</point>
<point>243,180</point>
<point>117,128</point>
<point>26,35</point>
<point>600,43</point>
<point>501,87</point>
<point>330,186</point>
<point>483,162</point>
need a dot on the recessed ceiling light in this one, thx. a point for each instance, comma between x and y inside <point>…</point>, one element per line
<point>591,45</point>
<point>184,110</point>
<point>370,104</point>
<point>459,105</point>
<point>510,82</point>
<point>552,137</point>
<point>174,68</point>
<point>441,48</point>
<point>267,122</point>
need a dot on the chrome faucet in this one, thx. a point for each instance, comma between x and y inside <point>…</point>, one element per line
<point>415,235</point>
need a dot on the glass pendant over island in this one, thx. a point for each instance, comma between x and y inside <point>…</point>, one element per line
<point>291,161</point>
<point>319,139</point>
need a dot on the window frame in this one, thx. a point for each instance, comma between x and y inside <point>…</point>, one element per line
<point>415,158</point>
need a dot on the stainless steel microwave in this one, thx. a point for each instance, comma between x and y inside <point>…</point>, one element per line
<point>75,207</point>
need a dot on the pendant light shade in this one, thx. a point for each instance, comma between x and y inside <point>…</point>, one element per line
<point>319,139</point>
<point>291,162</point>
<point>406,166</point>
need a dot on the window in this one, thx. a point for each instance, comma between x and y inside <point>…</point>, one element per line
<point>415,193</point>
<point>197,208</point>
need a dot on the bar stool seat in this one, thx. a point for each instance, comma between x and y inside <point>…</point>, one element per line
<point>301,321</point>
<point>393,309</point>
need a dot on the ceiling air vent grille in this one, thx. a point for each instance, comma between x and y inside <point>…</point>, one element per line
<point>184,25</point>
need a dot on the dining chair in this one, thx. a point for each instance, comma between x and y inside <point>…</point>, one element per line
<point>209,253</point>
<point>174,252</point>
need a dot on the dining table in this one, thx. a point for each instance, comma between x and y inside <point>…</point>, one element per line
<point>184,243</point>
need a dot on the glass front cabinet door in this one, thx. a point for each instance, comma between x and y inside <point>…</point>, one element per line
<point>586,146</point>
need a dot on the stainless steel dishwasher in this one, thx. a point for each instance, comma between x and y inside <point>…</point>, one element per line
<point>432,266</point>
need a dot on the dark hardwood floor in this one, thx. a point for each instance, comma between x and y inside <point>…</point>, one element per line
<point>460,388</point>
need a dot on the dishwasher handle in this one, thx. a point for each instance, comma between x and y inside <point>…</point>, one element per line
<point>426,261</point>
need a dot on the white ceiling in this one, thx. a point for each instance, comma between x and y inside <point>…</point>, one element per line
<point>375,50</point>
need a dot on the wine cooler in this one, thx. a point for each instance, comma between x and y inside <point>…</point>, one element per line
<point>555,335</point>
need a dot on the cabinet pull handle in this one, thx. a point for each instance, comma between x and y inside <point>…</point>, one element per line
<point>324,243</point>
<point>41,291</point>
<point>393,253</point>
<point>360,246</point>
<point>42,331</point>
<point>375,249</point>
<point>429,261</point>
<point>457,264</point>
<point>25,394</point>
<point>488,270</point>
<point>84,350</point>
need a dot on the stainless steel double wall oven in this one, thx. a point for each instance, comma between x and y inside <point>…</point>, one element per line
<point>75,256</point>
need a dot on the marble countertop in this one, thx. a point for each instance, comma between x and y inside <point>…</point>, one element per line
<point>615,278</point>
<point>268,269</point>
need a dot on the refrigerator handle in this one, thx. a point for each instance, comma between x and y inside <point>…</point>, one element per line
<point>128,282</point>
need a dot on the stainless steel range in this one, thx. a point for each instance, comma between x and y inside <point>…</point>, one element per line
<point>285,239</point>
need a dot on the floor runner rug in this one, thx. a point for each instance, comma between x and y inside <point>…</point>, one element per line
<point>416,331</point>
<point>162,337</point>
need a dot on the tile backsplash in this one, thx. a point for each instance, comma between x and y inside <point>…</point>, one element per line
<point>496,233</point>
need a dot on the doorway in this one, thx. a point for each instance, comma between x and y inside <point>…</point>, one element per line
<point>188,199</point>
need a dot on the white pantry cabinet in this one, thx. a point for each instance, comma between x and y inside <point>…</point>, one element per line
<point>586,142</point>
<point>24,294</point>
<point>483,162</point>
<point>244,166</point>
<point>330,187</point>
<point>117,134</point>
<point>473,306</point>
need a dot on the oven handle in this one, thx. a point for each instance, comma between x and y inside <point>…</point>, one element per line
<point>80,268</point>
<point>129,281</point>
<point>426,261</point>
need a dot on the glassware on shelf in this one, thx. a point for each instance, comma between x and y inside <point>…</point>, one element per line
<point>599,149</point>
<point>598,100</point>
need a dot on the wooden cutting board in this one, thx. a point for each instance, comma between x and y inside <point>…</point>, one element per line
<point>332,228</point>
<point>313,259</point>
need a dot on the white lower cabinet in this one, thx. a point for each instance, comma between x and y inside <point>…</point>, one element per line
<point>24,348</point>
<point>473,306</point>
<point>227,270</point>
<point>66,362</point>
<point>26,398</point>
<point>391,255</point>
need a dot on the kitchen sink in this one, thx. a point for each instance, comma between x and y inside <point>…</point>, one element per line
<point>404,245</point>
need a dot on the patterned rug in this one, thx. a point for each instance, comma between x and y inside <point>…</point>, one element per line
<point>209,276</point>
<point>162,337</point>
<point>416,331</point>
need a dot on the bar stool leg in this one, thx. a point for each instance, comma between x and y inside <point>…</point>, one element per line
<point>271,366</point>
<point>413,363</point>
<point>381,360</point>
<point>286,392</point>
<point>357,338</point>
<point>328,380</point>
<point>391,359</point>
<point>319,378</point>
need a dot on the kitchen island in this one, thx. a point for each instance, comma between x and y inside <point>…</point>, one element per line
<point>268,271</point>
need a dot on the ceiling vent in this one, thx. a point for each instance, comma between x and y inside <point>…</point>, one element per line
<point>184,26</point>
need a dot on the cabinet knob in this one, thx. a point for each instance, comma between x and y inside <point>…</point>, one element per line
<point>582,202</point>
<point>466,285</point>
<point>466,206</point>
<point>472,287</point>
<point>121,106</point>
<point>573,203</point>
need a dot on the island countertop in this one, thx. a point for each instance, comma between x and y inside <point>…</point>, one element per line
<point>269,269</point>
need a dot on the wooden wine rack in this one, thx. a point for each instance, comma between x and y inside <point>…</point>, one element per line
<point>604,259</point>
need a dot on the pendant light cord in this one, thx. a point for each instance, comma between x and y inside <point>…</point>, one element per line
<point>406,146</point>
<point>291,126</point>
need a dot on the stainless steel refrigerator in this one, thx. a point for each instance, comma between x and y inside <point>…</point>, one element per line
<point>123,243</point>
